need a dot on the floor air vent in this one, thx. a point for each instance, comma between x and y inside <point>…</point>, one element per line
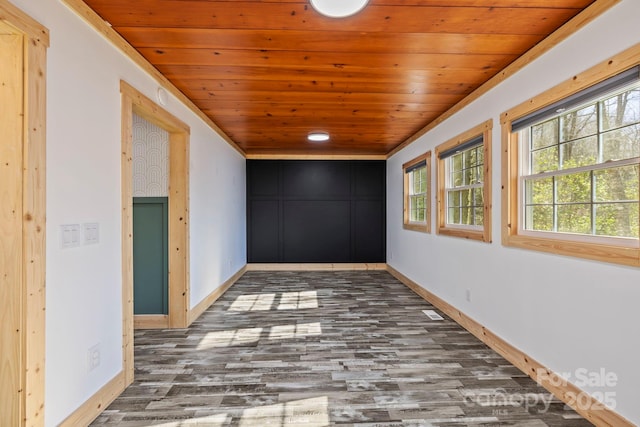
<point>431,314</point>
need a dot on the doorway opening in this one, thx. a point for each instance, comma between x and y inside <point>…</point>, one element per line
<point>133,102</point>
<point>150,224</point>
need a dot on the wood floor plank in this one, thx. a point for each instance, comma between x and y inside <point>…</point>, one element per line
<point>324,348</point>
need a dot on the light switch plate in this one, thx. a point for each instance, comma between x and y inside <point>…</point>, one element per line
<point>69,235</point>
<point>91,233</point>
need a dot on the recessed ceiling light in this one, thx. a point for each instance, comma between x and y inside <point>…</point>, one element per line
<point>338,8</point>
<point>318,136</point>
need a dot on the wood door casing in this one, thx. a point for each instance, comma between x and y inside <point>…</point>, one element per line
<point>23,47</point>
<point>11,245</point>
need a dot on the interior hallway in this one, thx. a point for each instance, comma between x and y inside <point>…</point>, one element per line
<point>326,348</point>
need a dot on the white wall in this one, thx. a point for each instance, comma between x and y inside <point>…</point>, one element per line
<point>83,185</point>
<point>567,313</point>
<point>218,214</point>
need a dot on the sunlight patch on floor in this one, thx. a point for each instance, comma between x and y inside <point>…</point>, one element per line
<point>300,330</point>
<point>239,337</point>
<point>229,338</point>
<point>256,302</point>
<point>298,300</point>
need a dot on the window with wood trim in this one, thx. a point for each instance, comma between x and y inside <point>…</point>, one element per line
<point>571,170</point>
<point>417,193</point>
<point>464,184</point>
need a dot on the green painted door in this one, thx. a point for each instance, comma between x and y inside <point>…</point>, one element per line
<point>150,255</point>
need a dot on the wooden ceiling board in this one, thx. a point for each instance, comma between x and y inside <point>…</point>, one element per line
<point>268,72</point>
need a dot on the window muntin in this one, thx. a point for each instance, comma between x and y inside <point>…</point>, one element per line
<point>579,169</point>
<point>417,204</point>
<point>464,188</point>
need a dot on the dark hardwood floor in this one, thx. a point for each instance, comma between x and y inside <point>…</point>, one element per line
<point>321,349</point>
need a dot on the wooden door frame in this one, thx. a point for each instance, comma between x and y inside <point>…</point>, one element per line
<point>31,355</point>
<point>135,102</point>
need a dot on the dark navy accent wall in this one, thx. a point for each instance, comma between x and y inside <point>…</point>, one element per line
<point>325,211</point>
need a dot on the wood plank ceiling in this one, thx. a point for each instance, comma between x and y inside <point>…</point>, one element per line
<point>269,72</point>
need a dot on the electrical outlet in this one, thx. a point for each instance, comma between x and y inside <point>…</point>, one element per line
<point>468,294</point>
<point>93,357</point>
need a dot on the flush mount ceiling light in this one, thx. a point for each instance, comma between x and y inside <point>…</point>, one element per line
<point>318,136</point>
<point>338,8</point>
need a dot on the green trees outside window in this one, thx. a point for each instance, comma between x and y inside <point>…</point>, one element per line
<point>418,194</point>
<point>464,188</point>
<point>581,169</point>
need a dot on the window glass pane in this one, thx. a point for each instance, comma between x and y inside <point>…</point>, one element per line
<point>580,123</point>
<point>465,168</point>
<point>480,174</point>
<point>539,218</point>
<point>467,216</point>
<point>456,179</point>
<point>573,188</point>
<point>468,158</point>
<point>453,216</point>
<point>416,215</point>
<point>544,160</point>
<point>617,219</point>
<point>422,172</point>
<point>545,134</point>
<point>617,184</point>
<point>471,157</point>
<point>464,172</point>
<point>479,215</point>
<point>419,181</point>
<point>582,152</point>
<point>621,110</point>
<point>466,197</point>
<point>478,197</point>
<point>623,143</point>
<point>539,191</point>
<point>470,176</point>
<point>574,218</point>
<point>420,216</point>
<point>418,208</point>
<point>456,162</point>
<point>453,198</point>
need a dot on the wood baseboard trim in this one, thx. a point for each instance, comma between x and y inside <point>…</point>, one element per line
<point>203,305</point>
<point>89,410</point>
<point>581,401</point>
<point>150,321</point>
<point>316,267</point>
